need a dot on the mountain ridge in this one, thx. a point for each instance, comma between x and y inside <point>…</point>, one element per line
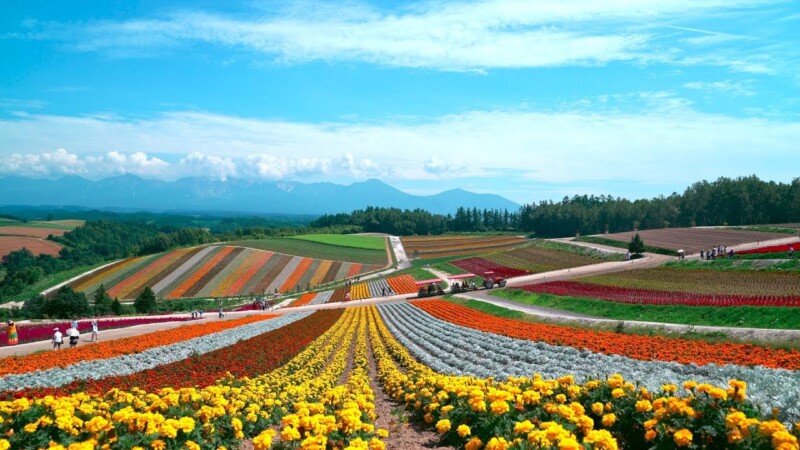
<point>234,195</point>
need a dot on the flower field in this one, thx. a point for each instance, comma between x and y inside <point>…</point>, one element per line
<point>442,246</point>
<point>43,332</point>
<point>704,281</point>
<point>784,248</point>
<point>217,271</point>
<point>306,381</point>
<point>653,297</point>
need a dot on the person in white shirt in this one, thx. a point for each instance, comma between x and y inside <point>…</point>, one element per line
<point>57,339</point>
<point>94,331</point>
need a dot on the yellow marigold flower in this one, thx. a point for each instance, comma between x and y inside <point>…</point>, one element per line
<point>31,427</point>
<point>569,444</point>
<point>734,436</point>
<point>376,444</point>
<point>784,440</point>
<point>650,435</point>
<point>601,440</point>
<point>4,444</point>
<point>499,407</point>
<point>609,419</point>
<point>597,408</point>
<point>561,398</point>
<point>474,444</point>
<point>669,388</point>
<point>290,434</point>
<point>617,393</point>
<point>689,385</point>
<point>158,444</point>
<point>191,445</point>
<point>443,426</point>
<point>523,427</point>
<point>649,424</point>
<point>463,430</point>
<point>383,433</point>
<point>644,406</point>
<point>770,427</point>
<point>496,443</point>
<point>718,393</point>
<point>682,437</point>
<point>264,440</point>
<point>357,444</point>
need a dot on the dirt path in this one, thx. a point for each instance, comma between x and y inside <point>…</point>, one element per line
<point>391,416</point>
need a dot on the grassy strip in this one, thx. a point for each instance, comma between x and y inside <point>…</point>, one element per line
<point>310,249</point>
<point>735,316</point>
<point>49,281</point>
<point>56,226</point>
<point>717,337</point>
<point>345,240</point>
<point>739,265</point>
<point>623,244</point>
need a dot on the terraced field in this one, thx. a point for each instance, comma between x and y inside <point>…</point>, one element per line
<point>365,251</point>
<point>217,271</point>
<point>693,239</point>
<point>425,247</point>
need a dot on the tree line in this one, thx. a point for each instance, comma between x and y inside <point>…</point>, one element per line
<point>726,201</point>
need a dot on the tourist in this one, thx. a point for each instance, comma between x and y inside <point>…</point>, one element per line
<point>74,322</point>
<point>12,333</point>
<point>57,339</point>
<point>702,254</point>
<point>94,331</point>
<point>74,335</point>
<point>791,251</point>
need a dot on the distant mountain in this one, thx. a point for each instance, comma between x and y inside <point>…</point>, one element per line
<point>129,192</point>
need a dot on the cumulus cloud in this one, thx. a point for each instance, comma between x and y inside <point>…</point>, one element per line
<point>664,139</point>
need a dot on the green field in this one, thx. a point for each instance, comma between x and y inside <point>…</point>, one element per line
<point>49,281</point>
<point>346,240</point>
<point>735,316</point>
<point>311,249</point>
<point>58,224</point>
<point>758,262</point>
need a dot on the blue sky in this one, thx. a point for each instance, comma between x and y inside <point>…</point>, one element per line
<point>528,99</point>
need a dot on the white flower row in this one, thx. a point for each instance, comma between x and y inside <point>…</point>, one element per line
<point>449,348</point>
<point>321,298</point>
<point>147,359</point>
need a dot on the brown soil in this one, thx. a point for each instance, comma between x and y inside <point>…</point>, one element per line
<point>693,239</point>
<point>37,246</point>
<point>32,231</point>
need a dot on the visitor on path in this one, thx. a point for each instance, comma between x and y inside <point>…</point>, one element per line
<point>74,335</point>
<point>57,339</point>
<point>221,313</point>
<point>347,296</point>
<point>74,322</point>
<point>12,333</point>
<point>791,251</point>
<point>94,331</point>
<point>383,292</point>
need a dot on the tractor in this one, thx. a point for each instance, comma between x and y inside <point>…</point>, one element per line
<point>490,279</point>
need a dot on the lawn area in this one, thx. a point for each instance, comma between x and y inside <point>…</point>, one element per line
<point>346,240</point>
<point>745,263</point>
<point>59,224</point>
<point>49,281</point>
<point>311,249</point>
<point>736,316</point>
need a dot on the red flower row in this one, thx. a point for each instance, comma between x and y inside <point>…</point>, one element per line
<point>480,265</point>
<point>652,297</point>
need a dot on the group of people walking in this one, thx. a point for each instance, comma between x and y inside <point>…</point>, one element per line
<point>73,334</point>
<point>716,252</point>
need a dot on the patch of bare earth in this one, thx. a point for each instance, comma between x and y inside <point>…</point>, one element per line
<point>392,416</point>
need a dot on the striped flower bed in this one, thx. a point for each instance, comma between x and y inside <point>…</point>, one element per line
<point>217,271</point>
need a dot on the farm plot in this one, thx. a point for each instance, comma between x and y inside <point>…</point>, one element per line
<point>699,281</point>
<point>315,381</point>
<point>322,247</point>
<point>37,246</point>
<point>652,297</point>
<point>783,249</point>
<point>692,240</point>
<point>216,271</point>
<point>426,247</point>
<point>38,232</point>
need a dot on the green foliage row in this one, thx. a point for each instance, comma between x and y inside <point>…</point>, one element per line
<point>346,240</point>
<point>311,249</point>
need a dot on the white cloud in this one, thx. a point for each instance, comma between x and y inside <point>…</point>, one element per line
<point>443,169</point>
<point>671,142</point>
<point>443,35</point>
<point>726,86</point>
<point>62,162</point>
